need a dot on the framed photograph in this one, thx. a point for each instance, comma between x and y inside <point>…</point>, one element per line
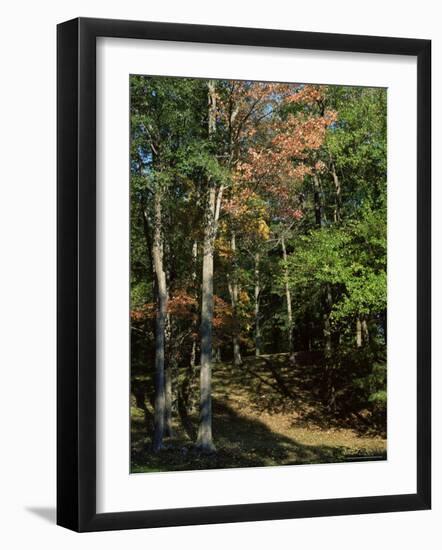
<point>243,219</point>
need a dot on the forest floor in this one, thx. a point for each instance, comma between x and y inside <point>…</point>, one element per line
<point>258,420</point>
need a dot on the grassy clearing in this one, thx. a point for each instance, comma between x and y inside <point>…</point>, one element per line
<point>255,424</point>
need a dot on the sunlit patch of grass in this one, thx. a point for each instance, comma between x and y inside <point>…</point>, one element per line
<point>253,425</point>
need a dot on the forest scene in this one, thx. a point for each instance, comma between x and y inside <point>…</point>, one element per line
<point>258,273</point>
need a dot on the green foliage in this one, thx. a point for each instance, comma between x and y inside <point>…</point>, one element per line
<point>332,216</point>
<point>351,258</point>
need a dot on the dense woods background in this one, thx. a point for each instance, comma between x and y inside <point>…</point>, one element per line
<point>258,273</point>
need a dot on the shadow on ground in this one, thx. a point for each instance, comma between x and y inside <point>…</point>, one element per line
<point>241,442</point>
<point>266,412</point>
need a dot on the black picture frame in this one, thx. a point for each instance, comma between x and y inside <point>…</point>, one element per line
<point>76,273</point>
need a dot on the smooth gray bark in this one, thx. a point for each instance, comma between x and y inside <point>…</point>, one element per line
<point>213,205</point>
<point>160,326</point>
<point>205,440</point>
<point>358,332</point>
<point>337,183</point>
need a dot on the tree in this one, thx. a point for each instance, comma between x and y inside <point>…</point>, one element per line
<point>159,162</point>
<point>338,267</point>
<point>211,215</point>
<point>258,227</point>
<point>160,334</point>
<point>278,162</point>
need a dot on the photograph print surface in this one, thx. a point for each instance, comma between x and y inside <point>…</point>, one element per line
<point>258,273</point>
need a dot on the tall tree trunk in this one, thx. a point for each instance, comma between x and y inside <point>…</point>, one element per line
<point>257,293</point>
<point>288,298</point>
<point>234,293</point>
<point>168,430</point>
<point>317,199</point>
<point>148,246</point>
<point>365,333</point>
<point>358,332</point>
<point>149,418</point>
<point>205,439</point>
<point>337,211</point>
<point>160,326</point>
